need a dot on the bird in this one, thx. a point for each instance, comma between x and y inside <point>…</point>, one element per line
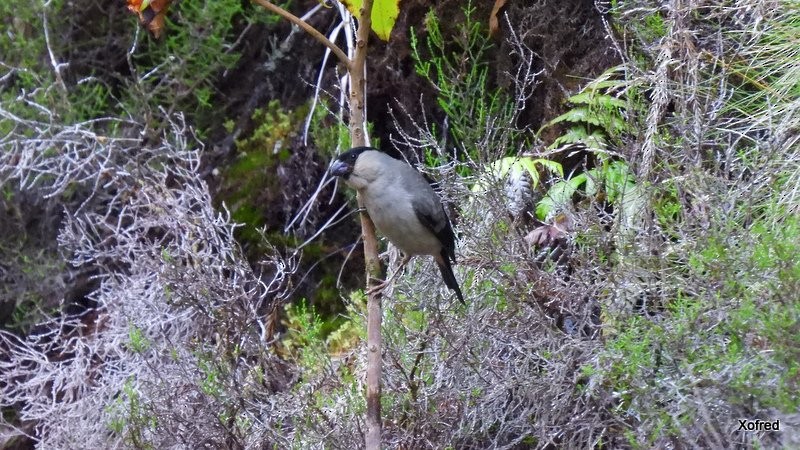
<point>403,206</point>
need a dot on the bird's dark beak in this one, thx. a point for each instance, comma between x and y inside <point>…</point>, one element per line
<point>340,168</point>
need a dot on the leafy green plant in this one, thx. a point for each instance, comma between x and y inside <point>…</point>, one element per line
<point>177,73</point>
<point>36,69</point>
<point>384,14</point>
<point>130,417</point>
<point>612,182</point>
<point>304,338</point>
<point>137,340</point>
<point>737,332</point>
<point>597,114</point>
<point>212,375</point>
<point>513,167</point>
<point>327,132</point>
<point>249,182</point>
<point>598,121</point>
<point>457,66</point>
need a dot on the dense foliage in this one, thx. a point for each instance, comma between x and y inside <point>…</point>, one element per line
<point>623,178</point>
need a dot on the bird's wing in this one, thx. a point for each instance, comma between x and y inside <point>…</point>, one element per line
<point>432,216</point>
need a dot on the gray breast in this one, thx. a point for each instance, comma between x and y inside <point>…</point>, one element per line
<point>391,209</point>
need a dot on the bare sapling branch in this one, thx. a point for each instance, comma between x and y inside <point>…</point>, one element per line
<point>358,136</point>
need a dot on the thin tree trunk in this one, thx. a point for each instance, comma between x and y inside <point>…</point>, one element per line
<point>372,440</point>
<point>358,136</point>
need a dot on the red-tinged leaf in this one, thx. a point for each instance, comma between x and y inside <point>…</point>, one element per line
<point>152,14</point>
<point>134,6</point>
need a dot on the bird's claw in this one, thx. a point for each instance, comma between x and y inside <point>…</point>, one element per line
<point>378,288</point>
<point>384,284</point>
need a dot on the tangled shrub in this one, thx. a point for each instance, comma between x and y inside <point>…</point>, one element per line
<point>179,324</point>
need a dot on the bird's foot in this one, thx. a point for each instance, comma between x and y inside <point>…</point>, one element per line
<point>379,287</point>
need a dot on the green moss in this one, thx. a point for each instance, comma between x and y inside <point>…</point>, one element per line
<point>250,184</point>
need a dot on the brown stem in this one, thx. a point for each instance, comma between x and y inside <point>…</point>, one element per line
<point>358,136</point>
<point>307,28</point>
<point>357,81</point>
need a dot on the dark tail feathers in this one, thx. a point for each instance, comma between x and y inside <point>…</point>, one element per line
<point>449,277</point>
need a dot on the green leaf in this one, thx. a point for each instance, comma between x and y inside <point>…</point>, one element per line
<point>579,135</point>
<point>354,6</point>
<point>559,196</point>
<point>575,115</point>
<point>530,165</point>
<point>515,164</point>
<point>593,98</point>
<point>615,178</point>
<point>384,14</point>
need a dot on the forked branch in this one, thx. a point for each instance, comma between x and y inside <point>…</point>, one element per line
<point>307,28</point>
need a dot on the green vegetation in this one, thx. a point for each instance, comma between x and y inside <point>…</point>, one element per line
<point>130,418</point>
<point>138,342</point>
<point>179,72</point>
<point>252,178</point>
<point>726,320</point>
<point>659,307</point>
<point>457,65</point>
<point>23,47</point>
<point>717,337</point>
<point>328,132</point>
<point>176,74</point>
<point>597,117</point>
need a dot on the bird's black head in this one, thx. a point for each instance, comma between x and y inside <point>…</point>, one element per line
<point>343,165</point>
